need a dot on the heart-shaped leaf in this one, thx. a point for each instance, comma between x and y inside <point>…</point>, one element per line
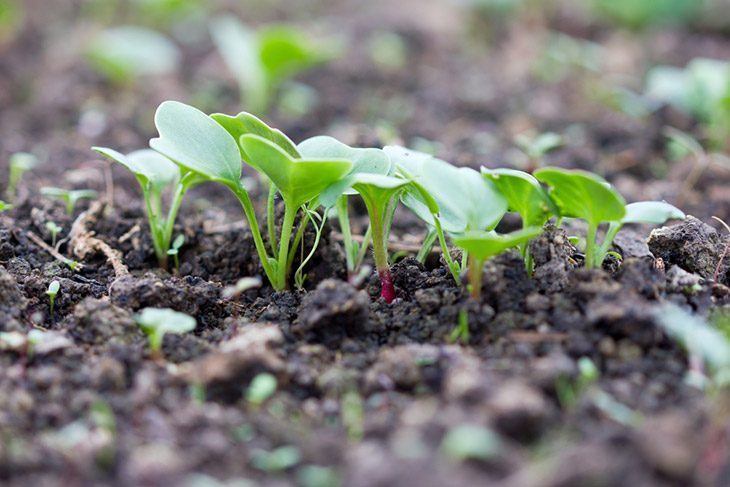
<point>197,142</point>
<point>580,194</point>
<point>147,165</point>
<point>524,195</point>
<point>246,123</point>
<point>466,201</point>
<point>365,161</point>
<point>483,245</point>
<point>654,212</point>
<point>298,180</point>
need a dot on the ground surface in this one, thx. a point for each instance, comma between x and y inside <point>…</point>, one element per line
<point>368,393</point>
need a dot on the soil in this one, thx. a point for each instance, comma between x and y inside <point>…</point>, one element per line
<point>368,393</point>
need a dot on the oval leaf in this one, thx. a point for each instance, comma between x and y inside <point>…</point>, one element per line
<point>146,165</point>
<point>524,194</point>
<point>655,212</point>
<point>484,245</point>
<point>246,123</point>
<point>197,142</point>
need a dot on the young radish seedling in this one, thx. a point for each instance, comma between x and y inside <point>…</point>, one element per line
<point>364,161</point>
<point>70,197</point>
<point>204,146</point>
<point>584,195</point>
<point>537,147</point>
<point>263,60</point>
<point>449,199</point>
<point>526,197</point>
<point>157,322</point>
<point>156,175</point>
<point>52,291</point>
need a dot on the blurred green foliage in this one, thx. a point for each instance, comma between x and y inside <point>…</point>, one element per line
<point>639,14</point>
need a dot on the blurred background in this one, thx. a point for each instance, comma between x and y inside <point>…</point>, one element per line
<point>637,90</point>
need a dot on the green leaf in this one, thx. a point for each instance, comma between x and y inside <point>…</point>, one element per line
<point>246,123</point>
<point>147,165</point>
<point>126,52</point>
<point>298,180</point>
<point>484,245</point>
<point>654,212</point>
<point>286,51</point>
<point>580,194</point>
<point>364,161</point>
<point>157,322</point>
<point>197,142</point>
<point>466,201</point>
<point>524,195</point>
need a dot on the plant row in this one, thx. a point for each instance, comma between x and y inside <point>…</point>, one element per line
<point>316,179</point>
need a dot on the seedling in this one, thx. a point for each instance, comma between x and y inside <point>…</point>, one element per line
<point>55,230</point>
<point>449,199</point>
<point>207,147</point>
<point>537,147</point>
<point>525,196</point>
<point>175,249</point>
<point>639,14</point>
<point>5,206</point>
<point>364,161</point>
<point>52,291</point>
<point>70,197</point>
<point>471,442</point>
<point>20,163</point>
<point>157,175</point>
<point>262,60</point>
<point>277,460</point>
<point>157,322</point>
<point>262,387</point>
<point>701,89</point>
<point>584,195</point>
<point>123,54</point>
<point>482,245</point>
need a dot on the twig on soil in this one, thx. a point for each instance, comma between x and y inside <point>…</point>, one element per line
<point>83,241</point>
<point>724,252</point>
<point>135,229</point>
<point>53,252</point>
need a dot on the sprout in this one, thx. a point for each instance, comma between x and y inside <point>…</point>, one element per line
<point>470,442</point>
<point>55,230</point>
<point>70,197</point>
<point>125,53</point>
<point>241,286</point>
<point>207,147</point>
<point>52,291</point>
<point>175,249</point>
<point>584,195</point>
<point>157,175</point>
<point>264,59</point>
<point>262,387</point>
<point>157,322</point>
<point>20,163</point>
<point>5,206</point>
<point>277,460</point>
<point>537,147</point>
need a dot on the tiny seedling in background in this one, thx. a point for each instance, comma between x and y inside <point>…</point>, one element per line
<point>123,54</point>
<point>20,163</point>
<point>157,175</point>
<point>570,391</point>
<point>175,249</point>
<point>241,286</point>
<point>5,206</point>
<point>52,292</point>
<point>277,460</point>
<point>526,197</point>
<point>157,322</point>
<point>587,196</point>
<point>262,60</point>
<point>537,147</point>
<point>262,387</point>
<point>54,230</point>
<point>69,197</point>
<point>471,442</point>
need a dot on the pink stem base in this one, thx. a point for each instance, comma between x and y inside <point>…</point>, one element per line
<point>387,290</point>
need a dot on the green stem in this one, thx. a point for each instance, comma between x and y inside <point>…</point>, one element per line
<point>270,218</point>
<point>427,245</point>
<point>613,229</point>
<point>343,216</point>
<point>475,277</point>
<point>453,266</point>
<point>290,214</point>
<point>366,239</point>
<point>155,230</point>
<point>297,238</point>
<point>590,262</point>
<point>253,224</point>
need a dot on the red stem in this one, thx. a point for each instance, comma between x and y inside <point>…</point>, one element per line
<point>387,290</point>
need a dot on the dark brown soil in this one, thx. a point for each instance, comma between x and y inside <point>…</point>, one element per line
<point>368,393</point>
